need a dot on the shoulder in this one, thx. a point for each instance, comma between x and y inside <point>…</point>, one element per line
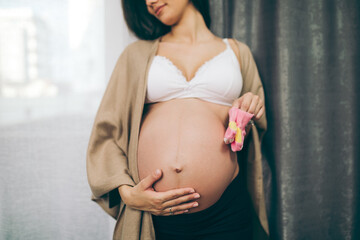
<point>241,47</point>
<point>241,50</point>
<point>136,52</point>
<point>139,47</point>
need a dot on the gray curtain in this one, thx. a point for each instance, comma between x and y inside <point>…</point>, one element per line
<point>308,57</point>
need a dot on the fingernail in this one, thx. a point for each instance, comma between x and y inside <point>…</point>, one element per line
<point>197,195</point>
<point>195,204</point>
<point>192,191</point>
<point>186,210</point>
<point>157,172</point>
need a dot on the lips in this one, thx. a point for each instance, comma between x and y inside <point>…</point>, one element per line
<point>158,9</point>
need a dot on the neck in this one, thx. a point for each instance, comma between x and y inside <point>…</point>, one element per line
<point>190,29</point>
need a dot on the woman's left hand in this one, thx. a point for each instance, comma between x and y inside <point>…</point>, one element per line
<point>251,103</point>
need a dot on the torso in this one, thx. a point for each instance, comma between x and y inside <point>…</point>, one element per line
<point>184,138</point>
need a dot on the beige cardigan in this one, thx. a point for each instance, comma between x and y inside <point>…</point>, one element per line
<point>112,151</point>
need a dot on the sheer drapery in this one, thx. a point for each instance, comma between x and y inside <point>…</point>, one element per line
<point>52,77</point>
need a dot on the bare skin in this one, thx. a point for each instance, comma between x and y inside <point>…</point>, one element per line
<point>184,137</point>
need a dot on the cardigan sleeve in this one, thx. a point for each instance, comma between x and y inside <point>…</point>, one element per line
<point>106,159</point>
<point>252,82</point>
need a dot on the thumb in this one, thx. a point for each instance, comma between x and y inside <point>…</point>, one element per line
<point>237,102</point>
<point>150,179</point>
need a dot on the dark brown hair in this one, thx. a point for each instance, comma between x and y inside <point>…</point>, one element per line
<point>146,26</point>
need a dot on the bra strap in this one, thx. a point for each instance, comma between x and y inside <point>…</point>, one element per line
<point>226,42</point>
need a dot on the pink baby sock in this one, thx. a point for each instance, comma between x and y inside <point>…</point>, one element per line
<point>242,119</point>
<point>231,130</point>
<point>236,137</point>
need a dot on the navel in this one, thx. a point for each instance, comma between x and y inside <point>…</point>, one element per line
<point>178,169</point>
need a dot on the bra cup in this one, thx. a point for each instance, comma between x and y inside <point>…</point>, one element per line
<point>217,81</point>
<point>223,79</point>
<point>236,85</point>
<point>161,82</point>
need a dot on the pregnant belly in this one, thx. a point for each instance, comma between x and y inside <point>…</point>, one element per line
<point>184,138</point>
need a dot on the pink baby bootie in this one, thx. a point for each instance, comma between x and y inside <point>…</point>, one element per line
<point>231,130</point>
<point>236,137</point>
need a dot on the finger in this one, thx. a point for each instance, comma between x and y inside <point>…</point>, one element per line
<point>170,214</point>
<point>260,113</point>
<point>178,209</point>
<point>253,104</point>
<point>237,102</point>
<point>175,193</point>
<point>246,102</point>
<point>180,212</point>
<point>150,179</point>
<point>180,200</point>
<point>182,207</point>
<point>176,213</point>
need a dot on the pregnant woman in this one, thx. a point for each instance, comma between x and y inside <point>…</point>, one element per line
<point>156,160</point>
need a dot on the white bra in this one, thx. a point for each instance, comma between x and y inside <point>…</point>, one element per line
<point>218,80</point>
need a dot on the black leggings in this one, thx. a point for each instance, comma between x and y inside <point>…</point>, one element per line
<point>228,219</point>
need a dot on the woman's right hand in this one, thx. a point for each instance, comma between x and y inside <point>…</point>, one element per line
<point>143,197</point>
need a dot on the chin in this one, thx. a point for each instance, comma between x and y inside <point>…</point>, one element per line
<point>169,21</point>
